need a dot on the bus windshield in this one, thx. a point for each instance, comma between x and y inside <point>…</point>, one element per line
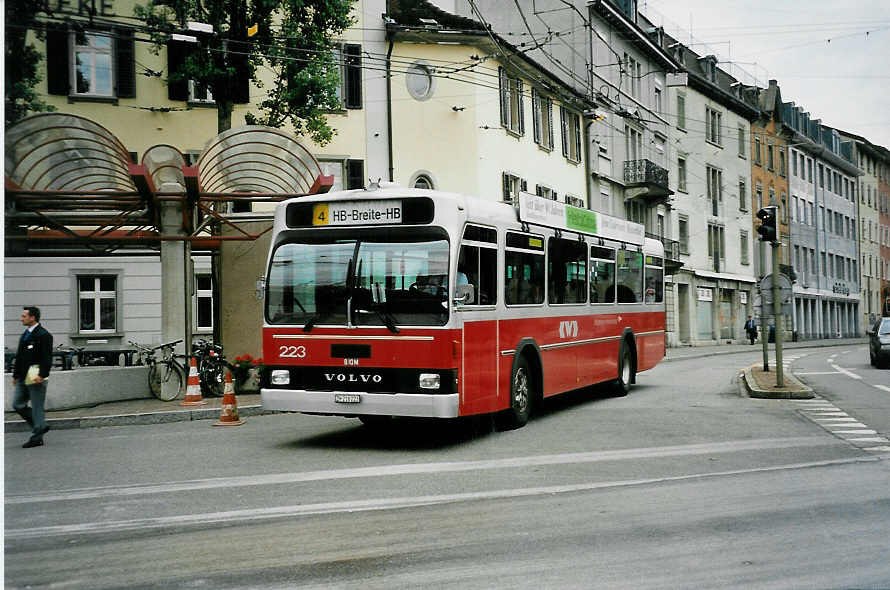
<point>360,282</point>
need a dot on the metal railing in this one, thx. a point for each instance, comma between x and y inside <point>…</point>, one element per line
<point>645,172</point>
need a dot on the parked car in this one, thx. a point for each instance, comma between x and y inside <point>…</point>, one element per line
<point>879,343</point>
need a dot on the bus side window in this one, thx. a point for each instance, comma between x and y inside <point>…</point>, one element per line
<point>654,280</point>
<point>630,277</point>
<point>602,275</point>
<point>524,278</point>
<point>567,270</point>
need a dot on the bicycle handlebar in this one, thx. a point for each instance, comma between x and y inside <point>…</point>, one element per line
<point>168,344</point>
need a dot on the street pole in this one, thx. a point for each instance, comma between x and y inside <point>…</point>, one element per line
<point>764,335</point>
<point>777,313</point>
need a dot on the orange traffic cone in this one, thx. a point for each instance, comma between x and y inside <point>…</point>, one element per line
<point>229,416</point>
<point>193,390</point>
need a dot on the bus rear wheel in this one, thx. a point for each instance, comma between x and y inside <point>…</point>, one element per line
<point>521,396</point>
<point>625,370</point>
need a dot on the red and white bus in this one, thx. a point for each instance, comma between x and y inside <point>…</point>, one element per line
<point>404,302</point>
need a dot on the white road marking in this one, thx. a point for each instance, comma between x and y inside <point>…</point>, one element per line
<point>858,431</point>
<point>418,468</point>
<point>884,387</point>
<point>257,514</point>
<point>869,439</point>
<point>877,449</point>
<point>845,425</point>
<point>846,372</point>
<point>819,373</point>
<point>814,413</point>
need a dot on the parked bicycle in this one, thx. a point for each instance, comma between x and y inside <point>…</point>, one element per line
<point>167,369</point>
<point>211,367</point>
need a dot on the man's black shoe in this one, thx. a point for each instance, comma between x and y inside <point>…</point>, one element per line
<point>33,443</point>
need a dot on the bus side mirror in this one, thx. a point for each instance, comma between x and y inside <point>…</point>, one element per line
<point>465,294</point>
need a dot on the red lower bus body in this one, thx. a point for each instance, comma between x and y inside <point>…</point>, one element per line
<point>570,352</point>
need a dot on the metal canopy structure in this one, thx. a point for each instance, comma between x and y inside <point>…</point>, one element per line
<point>72,189</point>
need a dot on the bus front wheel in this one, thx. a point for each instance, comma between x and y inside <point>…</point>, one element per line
<point>521,396</point>
<point>625,369</point>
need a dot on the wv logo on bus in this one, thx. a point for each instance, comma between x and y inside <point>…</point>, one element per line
<point>568,329</point>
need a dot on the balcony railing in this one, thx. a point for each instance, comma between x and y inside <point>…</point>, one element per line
<point>645,172</point>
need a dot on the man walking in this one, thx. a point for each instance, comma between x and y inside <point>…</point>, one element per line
<point>32,364</point>
<point>751,329</point>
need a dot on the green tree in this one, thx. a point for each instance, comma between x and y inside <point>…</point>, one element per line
<point>294,39</point>
<point>22,59</point>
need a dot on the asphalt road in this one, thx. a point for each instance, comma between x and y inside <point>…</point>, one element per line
<point>684,483</point>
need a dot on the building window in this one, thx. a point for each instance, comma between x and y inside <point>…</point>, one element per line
<point>512,185</point>
<point>419,81</point>
<point>781,161</point>
<point>633,139</point>
<point>352,76</point>
<point>512,116</point>
<point>681,111</point>
<point>97,303</point>
<point>713,129</point>
<point>683,232</point>
<point>681,173</point>
<point>545,192</point>
<point>574,201</point>
<point>716,245</point>
<point>743,245</point>
<point>634,71</point>
<point>757,150</point>
<point>658,100</point>
<point>742,135</point>
<point>769,156</point>
<point>199,93</point>
<point>743,195</point>
<point>571,134</point>
<point>542,108</point>
<point>92,64</point>
<point>715,188</point>
<point>793,163</point>
<point>760,202</point>
<point>203,303</point>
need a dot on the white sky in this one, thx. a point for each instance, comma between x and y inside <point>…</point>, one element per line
<point>844,82</point>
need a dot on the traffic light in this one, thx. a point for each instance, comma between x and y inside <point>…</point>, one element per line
<point>767,228</point>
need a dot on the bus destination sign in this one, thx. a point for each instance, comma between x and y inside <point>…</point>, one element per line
<point>540,211</point>
<point>384,212</point>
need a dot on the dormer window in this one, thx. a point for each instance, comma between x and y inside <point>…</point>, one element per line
<point>628,7</point>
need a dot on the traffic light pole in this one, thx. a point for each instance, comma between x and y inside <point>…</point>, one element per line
<point>777,314</point>
<point>764,333</point>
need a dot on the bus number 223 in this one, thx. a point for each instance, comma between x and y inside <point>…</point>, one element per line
<point>298,352</point>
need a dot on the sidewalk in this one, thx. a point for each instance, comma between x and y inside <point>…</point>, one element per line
<point>153,411</point>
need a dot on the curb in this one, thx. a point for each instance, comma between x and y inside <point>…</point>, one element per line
<point>146,418</point>
<point>754,391</point>
<point>703,354</point>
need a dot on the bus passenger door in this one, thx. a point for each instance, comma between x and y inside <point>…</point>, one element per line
<point>479,368</point>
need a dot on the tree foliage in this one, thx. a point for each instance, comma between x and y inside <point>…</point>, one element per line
<point>295,40</point>
<point>22,59</point>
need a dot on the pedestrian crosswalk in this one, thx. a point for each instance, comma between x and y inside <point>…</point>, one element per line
<point>839,423</point>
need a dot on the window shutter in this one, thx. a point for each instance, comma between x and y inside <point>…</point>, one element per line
<point>577,119</point>
<point>538,190</point>
<point>353,76</point>
<point>504,84</point>
<point>565,131</point>
<point>177,87</point>
<point>355,174</point>
<point>241,83</point>
<point>125,63</point>
<point>57,52</point>
<point>536,127</point>
<point>521,105</point>
<point>550,127</point>
<point>523,185</point>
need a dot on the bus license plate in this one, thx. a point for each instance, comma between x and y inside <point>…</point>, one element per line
<point>347,398</point>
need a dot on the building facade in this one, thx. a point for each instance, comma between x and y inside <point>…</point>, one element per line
<point>712,119</point>
<point>824,213</point>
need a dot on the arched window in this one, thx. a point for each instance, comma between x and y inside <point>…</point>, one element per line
<point>423,181</point>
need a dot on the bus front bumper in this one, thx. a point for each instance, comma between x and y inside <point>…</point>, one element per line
<point>342,403</point>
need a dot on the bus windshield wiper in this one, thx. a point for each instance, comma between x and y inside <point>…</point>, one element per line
<point>315,319</point>
<point>387,318</point>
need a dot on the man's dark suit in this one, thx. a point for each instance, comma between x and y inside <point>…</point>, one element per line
<point>35,348</point>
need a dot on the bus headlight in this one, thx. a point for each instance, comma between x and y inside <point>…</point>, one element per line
<point>429,381</point>
<point>280,377</point>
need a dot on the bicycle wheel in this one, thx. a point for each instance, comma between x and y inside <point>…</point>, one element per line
<point>212,379</point>
<point>167,373</point>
